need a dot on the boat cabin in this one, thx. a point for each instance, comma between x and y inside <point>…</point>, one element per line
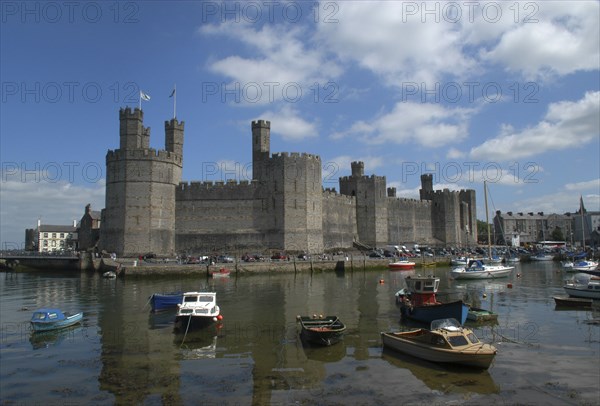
<point>47,315</point>
<point>422,289</point>
<point>198,303</point>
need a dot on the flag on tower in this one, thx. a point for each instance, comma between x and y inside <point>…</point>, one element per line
<point>172,93</point>
<point>144,96</point>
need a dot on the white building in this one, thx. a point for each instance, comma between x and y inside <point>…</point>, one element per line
<point>54,238</point>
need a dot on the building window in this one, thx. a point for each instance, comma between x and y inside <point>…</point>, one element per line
<point>53,235</point>
<point>62,235</point>
<point>45,235</point>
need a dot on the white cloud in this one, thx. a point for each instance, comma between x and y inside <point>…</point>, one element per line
<point>289,125</point>
<point>283,61</point>
<point>566,125</point>
<point>379,38</point>
<point>430,125</point>
<point>593,185</point>
<point>562,38</point>
<point>23,201</point>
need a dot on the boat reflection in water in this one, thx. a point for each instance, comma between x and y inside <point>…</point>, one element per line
<point>326,354</point>
<point>198,344</point>
<point>447,378</point>
<point>50,338</point>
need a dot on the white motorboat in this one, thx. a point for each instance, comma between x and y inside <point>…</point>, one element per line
<point>583,285</point>
<point>197,309</point>
<point>478,270</point>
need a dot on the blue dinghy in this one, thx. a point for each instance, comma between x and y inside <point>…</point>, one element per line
<point>52,319</point>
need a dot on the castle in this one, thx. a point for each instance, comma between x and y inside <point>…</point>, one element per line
<point>284,207</point>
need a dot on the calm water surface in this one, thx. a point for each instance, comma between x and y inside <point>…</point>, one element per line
<point>123,354</point>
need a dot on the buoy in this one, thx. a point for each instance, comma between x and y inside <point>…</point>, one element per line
<point>484,295</point>
<point>220,317</point>
<point>518,275</point>
<point>381,281</point>
<point>509,285</point>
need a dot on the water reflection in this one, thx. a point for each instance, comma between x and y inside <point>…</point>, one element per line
<point>46,339</point>
<point>446,379</point>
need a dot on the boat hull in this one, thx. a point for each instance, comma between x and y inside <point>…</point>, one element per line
<point>582,292</point>
<point>164,301</point>
<point>48,326</point>
<point>499,272</point>
<point>427,313</point>
<point>481,315</point>
<point>401,266</point>
<point>568,301</point>
<point>324,331</point>
<point>193,322</point>
<point>479,356</point>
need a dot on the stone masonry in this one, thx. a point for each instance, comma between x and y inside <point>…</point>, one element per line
<point>284,207</point>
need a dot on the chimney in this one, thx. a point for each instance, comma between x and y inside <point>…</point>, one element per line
<point>74,223</point>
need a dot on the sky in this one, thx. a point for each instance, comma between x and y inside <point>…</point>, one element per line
<point>502,92</point>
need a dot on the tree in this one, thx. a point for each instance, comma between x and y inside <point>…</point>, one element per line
<point>557,235</point>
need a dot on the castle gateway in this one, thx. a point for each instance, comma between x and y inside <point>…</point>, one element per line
<point>150,210</point>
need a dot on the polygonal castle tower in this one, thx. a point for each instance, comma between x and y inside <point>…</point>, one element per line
<point>291,188</point>
<point>453,214</point>
<point>371,204</point>
<point>139,214</point>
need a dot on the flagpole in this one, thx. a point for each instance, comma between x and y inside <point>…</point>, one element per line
<point>140,96</point>
<point>174,100</point>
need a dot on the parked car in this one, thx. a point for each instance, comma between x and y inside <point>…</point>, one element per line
<point>224,259</point>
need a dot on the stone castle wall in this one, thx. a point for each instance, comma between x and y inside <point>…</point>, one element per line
<point>149,209</point>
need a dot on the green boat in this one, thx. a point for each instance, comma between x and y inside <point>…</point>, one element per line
<point>478,315</point>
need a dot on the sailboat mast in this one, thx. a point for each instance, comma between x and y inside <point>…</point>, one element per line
<point>487,220</point>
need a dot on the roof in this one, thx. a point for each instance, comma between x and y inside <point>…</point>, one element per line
<point>56,228</point>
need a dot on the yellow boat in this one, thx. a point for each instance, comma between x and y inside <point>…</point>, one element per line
<point>445,342</point>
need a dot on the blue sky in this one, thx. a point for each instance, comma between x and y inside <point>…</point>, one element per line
<point>506,92</point>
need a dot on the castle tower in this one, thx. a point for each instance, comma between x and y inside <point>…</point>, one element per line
<point>261,144</point>
<point>371,204</point>
<point>174,136</point>
<point>426,186</point>
<point>140,190</point>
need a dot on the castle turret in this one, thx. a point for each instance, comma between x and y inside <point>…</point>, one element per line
<point>174,136</point>
<point>132,133</point>
<point>358,169</point>
<point>261,144</point>
<point>426,186</point>
<point>371,204</point>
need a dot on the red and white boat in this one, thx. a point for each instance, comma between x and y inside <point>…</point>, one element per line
<point>401,265</point>
<point>221,273</point>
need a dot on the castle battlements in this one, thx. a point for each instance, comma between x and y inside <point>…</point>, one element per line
<point>295,156</point>
<point>332,194</point>
<point>145,154</point>
<point>128,113</point>
<point>372,177</point>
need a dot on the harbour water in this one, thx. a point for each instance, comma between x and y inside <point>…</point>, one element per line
<point>123,354</point>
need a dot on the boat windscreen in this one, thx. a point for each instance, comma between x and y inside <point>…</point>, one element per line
<point>205,299</point>
<point>457,341</point>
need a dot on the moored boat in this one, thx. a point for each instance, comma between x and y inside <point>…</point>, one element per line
<point>542,256</point>
<point>164,301</point>
<point>51,319</point>
<point>221,273</point>
<point>418,301</point>
<point>197,309</point>
<point>321,330</point>
<point>478,270</point>
<point>445,342</point>
<point>584,265</point>
<point>401,265</point>
<point>568,301</point>
<point>584,286</point>
<point>480,315</point>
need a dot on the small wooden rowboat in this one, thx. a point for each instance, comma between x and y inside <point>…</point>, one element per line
<point>321,330</point>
